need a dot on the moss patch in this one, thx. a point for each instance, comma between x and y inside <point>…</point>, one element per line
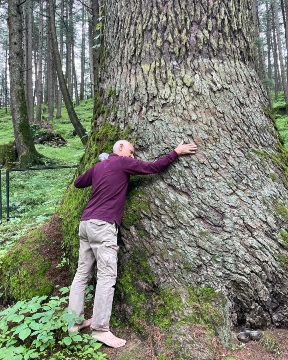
<point>23,270</point>
<point>136,204</point>
<point>140,301</point>
<point>282,212</point>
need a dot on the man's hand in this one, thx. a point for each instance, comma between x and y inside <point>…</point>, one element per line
<point>183,149</point>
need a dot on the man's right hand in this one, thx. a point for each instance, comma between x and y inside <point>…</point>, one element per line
<point>183,149</point>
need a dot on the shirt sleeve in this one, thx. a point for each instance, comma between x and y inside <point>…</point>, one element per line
<point>132,166</point>
<point>85,179</point>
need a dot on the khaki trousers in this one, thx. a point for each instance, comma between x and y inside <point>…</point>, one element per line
<point>98,245</point>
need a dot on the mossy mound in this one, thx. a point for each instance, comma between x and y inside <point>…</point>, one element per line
<point>34,264</point>
<point>140,303</point>
<point>23,270</point>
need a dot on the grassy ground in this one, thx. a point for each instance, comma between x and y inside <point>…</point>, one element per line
<point>34,195</point>
<point>281,117</point>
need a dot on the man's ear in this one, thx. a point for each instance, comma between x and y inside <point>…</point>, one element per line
<point>120,147</point>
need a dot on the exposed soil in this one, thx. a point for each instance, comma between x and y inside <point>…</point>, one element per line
<point>272,346</point>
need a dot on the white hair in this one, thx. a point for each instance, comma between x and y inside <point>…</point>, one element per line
<point>118,143</point>
<point>103,156</point>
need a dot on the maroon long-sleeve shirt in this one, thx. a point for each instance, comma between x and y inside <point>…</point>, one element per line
<point>109,180</point>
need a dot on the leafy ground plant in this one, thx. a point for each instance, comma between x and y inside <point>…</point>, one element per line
<point>37,329</point>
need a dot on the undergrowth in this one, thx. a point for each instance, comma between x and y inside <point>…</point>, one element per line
<point>35,195</point>
<point>37,329</point>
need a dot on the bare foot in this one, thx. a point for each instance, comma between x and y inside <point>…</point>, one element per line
<point>78,327</point>
<point>107,338</point>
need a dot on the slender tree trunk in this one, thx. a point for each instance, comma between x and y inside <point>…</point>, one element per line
<point>75,81</point>
<point>26,151</point>
<point>50,73</point>
<point>284,9</point>
<point>6,79</point>
<point>29,59</point>
<point>93,51</point>
<point>59,93</point>
<point>80,131</point>
<point>269,41</point>
<point>275,58</point>
<point>283,75</point>
<point>39,83</point>
<point>69,44</point>
<point>83,45</point>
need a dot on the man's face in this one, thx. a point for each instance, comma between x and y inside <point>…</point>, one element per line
<point>126,149</point>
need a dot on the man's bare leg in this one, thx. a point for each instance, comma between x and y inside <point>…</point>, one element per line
<point>107,338</point>
<point>78,327</point>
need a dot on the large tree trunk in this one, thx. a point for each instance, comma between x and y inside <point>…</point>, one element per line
<point>26,151</point>
<point>186,70</point>
<point>178,70</point>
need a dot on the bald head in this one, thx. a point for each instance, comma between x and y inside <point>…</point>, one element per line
<point>123,148</point>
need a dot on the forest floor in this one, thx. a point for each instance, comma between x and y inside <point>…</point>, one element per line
<point>272,346</point>
<point>276,348</point>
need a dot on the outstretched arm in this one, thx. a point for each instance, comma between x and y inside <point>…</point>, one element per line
<point>133,166</point>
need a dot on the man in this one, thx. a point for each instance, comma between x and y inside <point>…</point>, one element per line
<point>99,227</point>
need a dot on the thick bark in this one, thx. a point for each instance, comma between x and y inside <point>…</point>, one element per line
<point>186,70</point>
<point>80,131</point>
<point>26,151</point>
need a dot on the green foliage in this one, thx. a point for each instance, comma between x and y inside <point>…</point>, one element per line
<point>37,328</point>
<point>35,195</point>
<point>281,118</point>
<point>6,126</point>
